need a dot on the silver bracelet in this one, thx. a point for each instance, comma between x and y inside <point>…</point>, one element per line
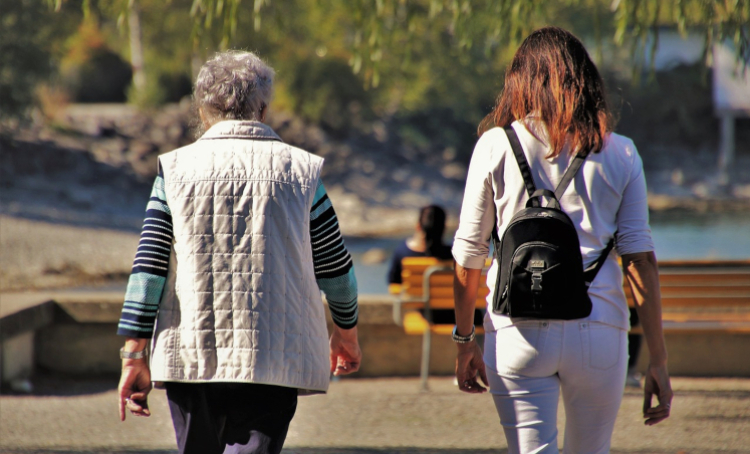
<point>457,338</point>
<point>132,355</point>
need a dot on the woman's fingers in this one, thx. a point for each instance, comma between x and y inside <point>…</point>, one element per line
<point>122,404</point>
<point>467,382</point>
<point>657,385</point>
<point>471,386</point>
<point>469,366</point>
<point>345,367</point>
<point>483,376</point>
<point>137,403</point>
<point>654,415</point>
<point>657,414</point>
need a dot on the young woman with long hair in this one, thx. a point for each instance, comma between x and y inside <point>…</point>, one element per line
<point>555,102</point>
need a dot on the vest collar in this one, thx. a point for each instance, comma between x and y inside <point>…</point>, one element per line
<point>240,129</point>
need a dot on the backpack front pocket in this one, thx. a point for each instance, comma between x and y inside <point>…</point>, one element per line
<point>538,280</point>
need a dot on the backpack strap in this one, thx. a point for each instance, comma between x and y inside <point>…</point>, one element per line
<point>570,172</point>
<point>553,202</point>
<point>523,164</point>
<point>590,273</point>
<point>528,179</point>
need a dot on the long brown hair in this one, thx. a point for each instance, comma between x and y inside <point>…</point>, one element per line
<point>552,76</point>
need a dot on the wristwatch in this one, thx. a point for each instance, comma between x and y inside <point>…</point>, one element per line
<point>132,355</point>
<point>462,339</point>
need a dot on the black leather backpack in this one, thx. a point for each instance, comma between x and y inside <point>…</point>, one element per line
<point>541,271</point>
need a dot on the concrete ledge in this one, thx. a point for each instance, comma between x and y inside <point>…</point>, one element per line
<point>710,354</point>
<point>93,307</point>
<point>23,315</point>
<point>75,332</point>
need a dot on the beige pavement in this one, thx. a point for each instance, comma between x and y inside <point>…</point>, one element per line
<point>368,416</point>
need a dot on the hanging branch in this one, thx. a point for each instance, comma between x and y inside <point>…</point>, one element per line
<point>384,28</point>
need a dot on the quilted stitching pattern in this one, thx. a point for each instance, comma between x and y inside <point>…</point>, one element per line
<point>245,305</point>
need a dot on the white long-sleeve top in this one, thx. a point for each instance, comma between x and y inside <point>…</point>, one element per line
<point>607,195</point>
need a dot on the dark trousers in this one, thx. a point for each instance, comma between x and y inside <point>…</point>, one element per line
<point>230,418</point>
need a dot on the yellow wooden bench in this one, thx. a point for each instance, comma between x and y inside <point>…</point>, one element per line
<point>697,296</point>
<point>427,285</point>
<point>703,295</point>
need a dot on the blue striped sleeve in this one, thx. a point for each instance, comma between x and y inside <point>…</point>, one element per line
<point>150,267</point>
<point>334,270</point>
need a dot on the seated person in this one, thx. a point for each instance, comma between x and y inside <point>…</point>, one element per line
<point>427,241</point>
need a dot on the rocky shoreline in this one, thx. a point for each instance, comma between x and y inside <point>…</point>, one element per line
<point>75,187</point>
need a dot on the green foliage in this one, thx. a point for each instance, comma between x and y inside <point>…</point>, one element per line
<point>325,91</point>
<point>717,21</point>
<point>684,121</point>
<point>89,70</point>
<point>434,66</point>
<point>24,60</point>
<point>389,29</point>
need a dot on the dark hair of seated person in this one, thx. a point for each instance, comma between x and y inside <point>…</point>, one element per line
<point>429,232</point>
<point>427,241</point>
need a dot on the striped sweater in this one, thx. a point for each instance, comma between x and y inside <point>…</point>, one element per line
<point>334,270</point>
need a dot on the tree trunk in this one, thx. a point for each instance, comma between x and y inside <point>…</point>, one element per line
<point>136,46</point>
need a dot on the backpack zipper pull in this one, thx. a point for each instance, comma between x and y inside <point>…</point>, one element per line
<point>505,292</point>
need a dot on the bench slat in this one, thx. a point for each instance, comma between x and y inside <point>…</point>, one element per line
<point>700,301</point>
<point>696,295</point>
<point>443,280</point>
<point>416,324</point>
<point>666,279</point>
<point>717,291</point>
<point>445,292</point>
<point>707,317</point>
<point>693,326</point>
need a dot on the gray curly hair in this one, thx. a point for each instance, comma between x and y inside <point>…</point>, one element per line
<point>233,85</point>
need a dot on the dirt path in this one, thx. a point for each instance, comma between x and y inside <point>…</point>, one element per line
<point>37,254</point>
<point>369,416</point>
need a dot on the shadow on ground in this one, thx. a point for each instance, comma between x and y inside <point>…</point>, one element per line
<point>354,451</point>
<point>407,450</point>
<point>57,384</point>
<point>404,450</point>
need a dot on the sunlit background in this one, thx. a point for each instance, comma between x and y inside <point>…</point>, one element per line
<point>389,92</point>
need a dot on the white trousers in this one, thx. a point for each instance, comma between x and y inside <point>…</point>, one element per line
<point>530,361</point>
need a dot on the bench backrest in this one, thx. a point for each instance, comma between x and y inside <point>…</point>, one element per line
<point>694,284</point>
<point>704,284</point>
<point>440,279</point>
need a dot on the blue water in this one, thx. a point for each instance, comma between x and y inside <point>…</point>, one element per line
<point>702,236</point>
<point>676,236</point>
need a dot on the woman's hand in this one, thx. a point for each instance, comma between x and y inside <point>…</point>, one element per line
<point>135,384</point>
<point>469,366</point>
<point>657,384</point>
<point>469,362</point>
<point>642,273</point>
<point>135,381</point>
<point>346,355</point>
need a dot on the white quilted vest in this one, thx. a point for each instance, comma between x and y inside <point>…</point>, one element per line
<point>241,302</point>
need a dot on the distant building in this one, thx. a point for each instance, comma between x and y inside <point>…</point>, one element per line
<point>730,82</point>
<point>731,95</point>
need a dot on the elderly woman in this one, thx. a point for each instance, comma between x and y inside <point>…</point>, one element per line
<point>238,240</point>
<point>553,108</point>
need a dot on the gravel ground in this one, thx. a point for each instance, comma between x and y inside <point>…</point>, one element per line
<point>37,254</point>
<point>368,416</point>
